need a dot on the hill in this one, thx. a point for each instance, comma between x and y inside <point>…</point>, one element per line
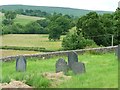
<point>22,19</point>
<point>69,11</point>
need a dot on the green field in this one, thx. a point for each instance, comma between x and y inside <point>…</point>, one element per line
<point>31,40</point>
<point>22,19</point>
<point>101,72</point>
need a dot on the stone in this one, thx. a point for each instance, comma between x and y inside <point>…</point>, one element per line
<point>21,64</point>
<point>61,66</point>
<point>118,52</point>
<point>78,68</point>
<point>72,57</point>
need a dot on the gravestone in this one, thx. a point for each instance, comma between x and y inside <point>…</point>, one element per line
<point>78,68</point>
<point>116,51</point>
<point>21,64</point>
<point>61,66</point>
<point>119,52</point>
<point>72,57</point>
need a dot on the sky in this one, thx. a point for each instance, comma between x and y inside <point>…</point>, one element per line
<point>105,5</point>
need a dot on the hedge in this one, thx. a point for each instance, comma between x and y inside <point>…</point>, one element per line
<point>41,49</point>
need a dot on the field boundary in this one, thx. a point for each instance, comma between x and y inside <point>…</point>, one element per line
<point>62,53</point>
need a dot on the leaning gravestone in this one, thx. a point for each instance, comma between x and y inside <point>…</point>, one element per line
<point>78,68</point>
<point>61,66</point>
<point>21,64</point>
<point>72,57</point>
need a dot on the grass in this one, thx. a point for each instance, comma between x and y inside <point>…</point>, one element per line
<point>101,72</point>
<point>31,40</point>
<point>5,53</point>
<point>22,19</point>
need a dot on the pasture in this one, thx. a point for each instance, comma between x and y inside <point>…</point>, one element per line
<point>22,19</point>
<point>31,40</point>
<point>101,72</point>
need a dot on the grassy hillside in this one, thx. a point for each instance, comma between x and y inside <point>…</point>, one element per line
<point>22,19</point>
<point>30,40</point>
<point>101,72</point>
<point>69,11</point>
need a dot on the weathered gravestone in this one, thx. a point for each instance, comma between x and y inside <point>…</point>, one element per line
<point>78,68</point>
<point>116,51</point>
<point>21,64</point>
<point>61,66</point>
<point>119,52</point>
<point>72,57</point>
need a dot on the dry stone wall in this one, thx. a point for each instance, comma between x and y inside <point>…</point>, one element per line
<point>62,53</point>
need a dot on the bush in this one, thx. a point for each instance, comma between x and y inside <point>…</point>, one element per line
<point>75,41</point>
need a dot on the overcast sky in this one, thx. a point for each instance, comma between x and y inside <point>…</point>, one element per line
<point>106,5</point>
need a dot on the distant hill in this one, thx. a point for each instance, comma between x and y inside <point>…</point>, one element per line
<point>69,11</point>
<point>22,19</point>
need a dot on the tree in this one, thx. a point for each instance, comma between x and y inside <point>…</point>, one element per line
<point>7,22</point>
<point>117,25</point>
<point>92,28</point>
<point>9,16</point>
<point>76,41</point>
<point>54,32</point>
<point>33,28</point>
<point>13,29</point>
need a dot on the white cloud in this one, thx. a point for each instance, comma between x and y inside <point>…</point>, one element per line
<point>109,5</point>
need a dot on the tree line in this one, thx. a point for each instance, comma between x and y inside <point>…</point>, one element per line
<point>91,29</point>
<point>30,12</point>
<point>94,29</point>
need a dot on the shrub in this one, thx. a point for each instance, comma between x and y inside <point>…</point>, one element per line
<point>75,41</point>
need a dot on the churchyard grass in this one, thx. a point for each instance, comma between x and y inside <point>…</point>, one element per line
<point>101,72</point>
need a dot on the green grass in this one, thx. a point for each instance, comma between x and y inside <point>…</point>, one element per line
<point>22,19</point>
<point>101,72</point>
<point>31,40</point>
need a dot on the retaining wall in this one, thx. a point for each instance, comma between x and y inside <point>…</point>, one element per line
<point>62,53</point>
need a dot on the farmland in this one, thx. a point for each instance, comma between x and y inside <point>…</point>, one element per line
<point>100,69</point>
<point>31,40</point>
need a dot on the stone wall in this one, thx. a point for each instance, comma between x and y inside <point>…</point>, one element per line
<point>62,53</point>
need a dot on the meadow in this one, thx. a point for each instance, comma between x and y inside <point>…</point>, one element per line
<point>101,72</point>
<point>31,40</point>
<point>22,19</point>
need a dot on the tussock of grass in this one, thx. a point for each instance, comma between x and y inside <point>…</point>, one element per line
<point>101,72</point>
